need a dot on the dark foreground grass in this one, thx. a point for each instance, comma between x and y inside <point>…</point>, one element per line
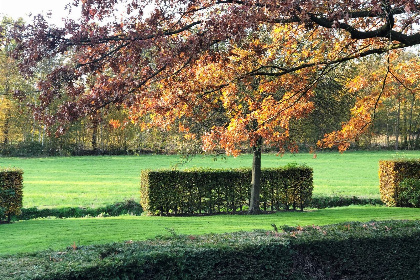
<point>351,250</point>
<point>102,180</point>
<point>56,234</point>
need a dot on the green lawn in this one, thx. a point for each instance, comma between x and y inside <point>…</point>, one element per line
<point>57,234</point>
<point>98,181</point>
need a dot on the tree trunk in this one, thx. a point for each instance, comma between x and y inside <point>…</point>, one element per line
<point>6,129</point>
<point>6,126</point>
<point>387,130</point>
<point>410,124</point>
<point>95,137</point>
<point>95,125</point>
<point>254,202</point>
<point>405,127</point>
<point>397,126</point>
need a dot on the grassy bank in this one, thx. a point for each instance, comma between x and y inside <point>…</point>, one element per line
<point>103,180</point>
<point>43,234</point>
<point>350,250</point>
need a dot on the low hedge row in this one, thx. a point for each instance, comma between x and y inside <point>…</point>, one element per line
<point>321,202</point>
<point>129,207</point>
<point>223,190</point>
<point>11,185</point>
<point>372,250</point>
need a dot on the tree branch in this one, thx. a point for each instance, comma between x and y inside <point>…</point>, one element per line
<point>328,62</point>
<point>117,38</point>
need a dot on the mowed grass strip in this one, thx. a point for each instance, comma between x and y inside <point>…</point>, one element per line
<point>102,180</point>
<point>57,234</point>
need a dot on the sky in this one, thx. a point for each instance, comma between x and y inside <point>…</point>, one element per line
<point>22,8</point>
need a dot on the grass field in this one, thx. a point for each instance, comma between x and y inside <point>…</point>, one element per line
<point>57,234</point>
<point>97,181</point>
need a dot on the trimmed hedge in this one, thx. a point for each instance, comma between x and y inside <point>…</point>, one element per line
<point>288,187</point>
<point>11,195</point>
<point>131,207</point>
<point>372,250</point>
<point>391,174</point>
<point>197,191</point>
<point>128,207</point>
<point>409,192</point>
<point>321,202</point>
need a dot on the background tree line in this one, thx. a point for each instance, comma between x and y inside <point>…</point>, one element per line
<point>396,124</point>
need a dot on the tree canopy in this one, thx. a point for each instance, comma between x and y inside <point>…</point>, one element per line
<point>231,72</point>
<point>119,58</point>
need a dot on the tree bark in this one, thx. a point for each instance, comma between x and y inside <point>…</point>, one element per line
<point>6,129</point>
<point>6,126</point>
<point>94,137</point>
<point>410,124</point>
<point>254,202</point>
<point>397,126</point>
<point>95,125</point>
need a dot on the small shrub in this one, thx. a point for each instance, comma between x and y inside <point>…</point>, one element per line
<point>409,192</point>
<point>129,207</point>
<point>391,173</point>
<point>2,213</point>
<point>322,202</point>
<point>11,185</point>
<point>122,208</point>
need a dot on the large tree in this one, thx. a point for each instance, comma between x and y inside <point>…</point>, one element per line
<point>253,64</point>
